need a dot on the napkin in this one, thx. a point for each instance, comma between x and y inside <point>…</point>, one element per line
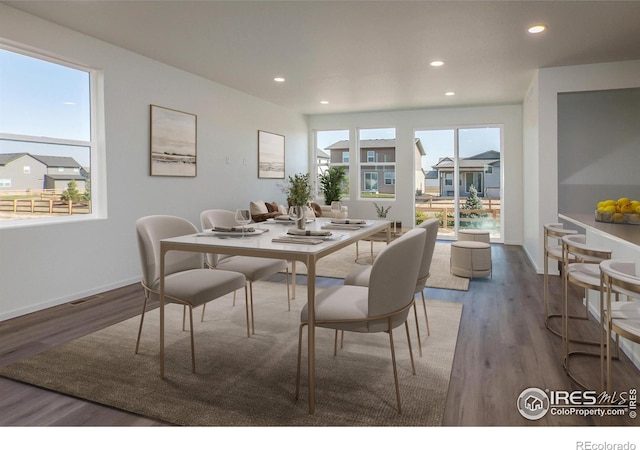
<point>282,217</point>
<point>234,229</point>
<point>297,232</point>
<point>294,240</point>
<point>349,221</point>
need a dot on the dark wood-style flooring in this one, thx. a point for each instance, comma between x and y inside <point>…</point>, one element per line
<point>503,347</point>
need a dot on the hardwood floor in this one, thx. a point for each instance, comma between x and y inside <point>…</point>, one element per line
<point>503,348</point>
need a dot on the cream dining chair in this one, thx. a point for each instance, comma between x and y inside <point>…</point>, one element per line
<point>620,277</point>
<point>253,268</point>
<point>380,307</point>
<point>186,281</point>
<point>360,276</point>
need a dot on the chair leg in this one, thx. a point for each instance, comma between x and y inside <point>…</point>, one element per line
<point>193,348</point>
<point>144,308</point>
<point>288,290</point>
<point>234,298</point>
<point>299,360</point>
<point>413,366</point>
<point>184,317</point>
<point>395,370</point>
<point>335,343</point>
<point>246,307</point>
<point>253,324</point>
<point>203,309</point>
<point>415,314</point>
<point>426,317</point>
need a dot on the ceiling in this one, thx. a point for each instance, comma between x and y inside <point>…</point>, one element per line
<point>361,55</point>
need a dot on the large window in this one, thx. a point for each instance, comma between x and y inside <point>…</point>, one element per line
<point>332,149</point>
<point>377,162</point>
<point>48,145</point>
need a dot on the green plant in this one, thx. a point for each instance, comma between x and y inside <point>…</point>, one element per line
<point>420,217</point>
<point>381,210</point>
<point>298,189</point>
<point>71,193</point>
<point>473,203</point>
<point>331,181</point>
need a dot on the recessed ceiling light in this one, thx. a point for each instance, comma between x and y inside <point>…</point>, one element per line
<point>278,80</point>
<point>436,63</point>
<point>450,93</point>
<point>537,29</point>
<point>324,102</point>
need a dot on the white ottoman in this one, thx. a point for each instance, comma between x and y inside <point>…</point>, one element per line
<point>474,235</point>
<point>471,259</point>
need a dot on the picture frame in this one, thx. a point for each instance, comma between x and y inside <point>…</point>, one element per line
<point>271,152</point>
<point>173,142</point>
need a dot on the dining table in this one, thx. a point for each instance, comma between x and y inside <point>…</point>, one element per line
<point>274,239</point>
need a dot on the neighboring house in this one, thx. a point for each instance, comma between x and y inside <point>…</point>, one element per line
<point>377,163</point>
<point>481,170</point>
<point>25,172</point>
<point>322,160</point>
<point>431,183</point>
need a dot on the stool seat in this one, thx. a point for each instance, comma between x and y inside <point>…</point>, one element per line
<point>470,259</point>
<point>474,235</point>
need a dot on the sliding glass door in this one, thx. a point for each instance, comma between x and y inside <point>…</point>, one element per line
<point>462,185</point>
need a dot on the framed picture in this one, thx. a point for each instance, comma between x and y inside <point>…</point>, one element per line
<point>270,155</point>
<point>173,142</point>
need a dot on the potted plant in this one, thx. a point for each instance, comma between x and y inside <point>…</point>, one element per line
<point>331,181</point>
<point>298,191</point>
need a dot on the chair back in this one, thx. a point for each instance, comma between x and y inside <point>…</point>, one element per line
<point>216,218</point>
<point>431,226</point>
<point>620,276</point>
<point>393,278</point>
<point>575,246</point>
<point>150,231</point>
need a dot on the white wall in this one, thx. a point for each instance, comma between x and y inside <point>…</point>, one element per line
<point>406,122</point>
<point>42,266</point>
<point>541,138</point>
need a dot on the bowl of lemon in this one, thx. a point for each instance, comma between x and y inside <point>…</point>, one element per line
<point>622,210</point>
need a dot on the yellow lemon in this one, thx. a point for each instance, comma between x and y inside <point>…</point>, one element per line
<point>638,209</point>
<point>609,203</point>
<point>600,205</point>
<point>617,217</point>
<point>610,208</point>
<point>626,209</point>
<point>635,203</point>
<point>623,201</point>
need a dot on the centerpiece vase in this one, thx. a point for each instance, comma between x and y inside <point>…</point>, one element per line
<point>301,222</point>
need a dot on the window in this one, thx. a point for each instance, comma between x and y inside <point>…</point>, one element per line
<point>333,150</point>
<point>377,161</point>
<point>389,178</point>
<point>48,120</point>
<point>448,179</point>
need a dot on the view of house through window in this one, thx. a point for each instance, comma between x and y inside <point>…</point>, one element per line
<point>377,162</point>
<point>45,137</point>
<point>462,173</point>
<point>332,149</point>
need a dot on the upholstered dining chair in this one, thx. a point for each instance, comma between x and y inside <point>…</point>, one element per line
<point>379,307</point>
<point>619,277</point>
<point>187,282</point>
<point>580,267</point>
<point>360,276</point>
<point>253,268</point>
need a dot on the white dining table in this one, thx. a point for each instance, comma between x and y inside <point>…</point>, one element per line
<point>261,245</point>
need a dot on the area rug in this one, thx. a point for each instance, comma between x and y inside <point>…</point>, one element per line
<point>340,263</point>
<point>243,381</point>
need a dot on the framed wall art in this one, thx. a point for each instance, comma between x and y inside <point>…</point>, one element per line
<point>270,155</point>
<point>173,143</point>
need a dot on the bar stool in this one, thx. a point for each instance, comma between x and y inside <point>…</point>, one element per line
<point>585,273</point>
<point>553,234</point>
<point>622,318</point>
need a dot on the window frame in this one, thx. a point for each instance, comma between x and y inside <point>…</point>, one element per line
<point>96,143</point>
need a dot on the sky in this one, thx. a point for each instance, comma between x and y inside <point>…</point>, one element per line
<point>43,99</point>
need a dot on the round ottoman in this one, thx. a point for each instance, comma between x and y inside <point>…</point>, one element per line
<point>474,235</point>
<point>471,259</point>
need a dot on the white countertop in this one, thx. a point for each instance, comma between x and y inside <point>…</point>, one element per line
<point>625,233</point>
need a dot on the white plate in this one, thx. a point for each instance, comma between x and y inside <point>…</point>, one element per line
<point>333,236</point>
<point>231,233</point>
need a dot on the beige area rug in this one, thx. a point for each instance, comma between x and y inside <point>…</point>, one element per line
<point>251,381</point>
<point>340,263</point>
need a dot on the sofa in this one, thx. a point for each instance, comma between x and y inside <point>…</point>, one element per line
<point>327,212</point>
